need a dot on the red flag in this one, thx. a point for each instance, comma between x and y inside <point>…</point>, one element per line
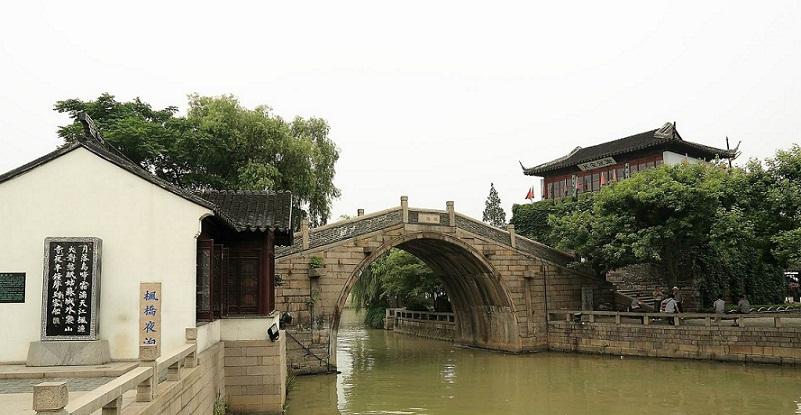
<point>530,194</point>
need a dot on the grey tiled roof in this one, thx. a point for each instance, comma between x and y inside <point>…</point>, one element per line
<point>250,210</point>
<point>666,136</point>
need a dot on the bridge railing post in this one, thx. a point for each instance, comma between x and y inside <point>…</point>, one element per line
<point>451,213</point>
<point>405,208</point>
<point>512,239</point>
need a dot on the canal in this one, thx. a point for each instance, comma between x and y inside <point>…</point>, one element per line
<point>388,373</point>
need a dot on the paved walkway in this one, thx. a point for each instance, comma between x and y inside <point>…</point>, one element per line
<point>74,384</point>
<point>111,369</point>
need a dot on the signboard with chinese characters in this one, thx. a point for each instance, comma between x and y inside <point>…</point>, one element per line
<point>71,290</point>
<point>12,287</point>
<point>150,314</point>
<point>597,164</point>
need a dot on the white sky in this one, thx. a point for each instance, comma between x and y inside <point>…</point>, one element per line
<point>434,100</point>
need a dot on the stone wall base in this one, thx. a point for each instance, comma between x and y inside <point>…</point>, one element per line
<point>743,344</point>
<point>307,351</point>
<point>255,375</point>
<point>438,330</point>
<point>68,353</point>
<point>194,393</point>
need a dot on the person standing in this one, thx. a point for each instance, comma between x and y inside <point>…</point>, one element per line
<point>677,297</point>
<point>719,305</point>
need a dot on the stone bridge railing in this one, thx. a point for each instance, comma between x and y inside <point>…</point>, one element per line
<point>362,224</point>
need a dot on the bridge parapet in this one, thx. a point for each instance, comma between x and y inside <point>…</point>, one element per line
<point>363,224</point>
<point>342,230</point>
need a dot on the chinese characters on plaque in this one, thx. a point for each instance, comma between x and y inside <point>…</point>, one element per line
<point>150,314</point>
<point>71,290</point>
<point>590,165</point>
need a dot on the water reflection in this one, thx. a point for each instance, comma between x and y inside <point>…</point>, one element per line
<point>387,373</point>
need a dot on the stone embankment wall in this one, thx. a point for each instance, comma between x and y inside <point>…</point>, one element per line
<point>255,375</point>
<point>439,326</point>
<point>307,351</point>
<point>194,393</point>
<point>746,344</point>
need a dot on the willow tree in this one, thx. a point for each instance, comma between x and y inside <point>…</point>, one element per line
<point>219,144</point>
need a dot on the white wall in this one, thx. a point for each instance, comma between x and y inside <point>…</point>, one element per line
<point>669,157</point>
<point>148,235</point>
<point>208,334</point>
<point>251,328</point>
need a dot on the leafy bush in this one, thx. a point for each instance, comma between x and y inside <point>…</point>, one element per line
<point>315,262</point>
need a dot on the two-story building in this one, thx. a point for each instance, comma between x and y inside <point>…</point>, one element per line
<point>587,169</point>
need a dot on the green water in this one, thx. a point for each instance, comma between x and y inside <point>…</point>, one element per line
<point>388,373</point>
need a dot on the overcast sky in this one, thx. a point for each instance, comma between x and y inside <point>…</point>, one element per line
<point>433,100</point>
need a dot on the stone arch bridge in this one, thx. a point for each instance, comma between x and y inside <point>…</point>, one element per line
<point>501,285</point>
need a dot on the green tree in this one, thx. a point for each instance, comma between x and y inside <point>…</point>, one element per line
<point>692,221</point>
<point>493,212</point>
<point>396,279</point>
<point>219,144</point>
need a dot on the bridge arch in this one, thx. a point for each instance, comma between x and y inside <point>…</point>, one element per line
<point>485,312</point>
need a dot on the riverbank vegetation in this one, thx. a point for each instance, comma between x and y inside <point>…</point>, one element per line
<point>396,279</point>
<point>731,230</point>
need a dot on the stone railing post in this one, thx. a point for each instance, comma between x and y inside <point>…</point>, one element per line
<point>174,371</point>
<point>512,238</point>
<point>359,212</point>
<point>405,208</point>
<point>451,213</point>
<point>191,338</point>
<point>113,408</point>
<point>304,233</point>
<point>146,391</point>
<point>50,398</point>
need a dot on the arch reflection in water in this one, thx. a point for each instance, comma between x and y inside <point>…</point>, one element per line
<point>388,373</point>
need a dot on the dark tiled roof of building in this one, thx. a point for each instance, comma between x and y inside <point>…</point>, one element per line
<point>250,210</point>
<point>240,210</point>
<point>667,135</point>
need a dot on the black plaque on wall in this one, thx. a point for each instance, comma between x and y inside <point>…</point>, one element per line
<point>71,290</point>
<point>12,287</point>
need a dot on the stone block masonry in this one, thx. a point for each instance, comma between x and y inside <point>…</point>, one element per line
<point>255,375</point>
<point>194,393</point>
<point>501,284</point>
<point>780,345</point>
<point>438,326</point>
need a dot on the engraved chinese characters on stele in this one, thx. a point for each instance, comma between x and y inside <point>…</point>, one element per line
<point>150,301</point>
<point>70,289</point>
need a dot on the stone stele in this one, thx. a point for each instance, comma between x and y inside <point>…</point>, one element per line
<point>68,353</point>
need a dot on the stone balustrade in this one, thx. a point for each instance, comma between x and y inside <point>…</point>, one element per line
<point>432,325</point>
<point>52,398</point>
<point>677,319</point>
